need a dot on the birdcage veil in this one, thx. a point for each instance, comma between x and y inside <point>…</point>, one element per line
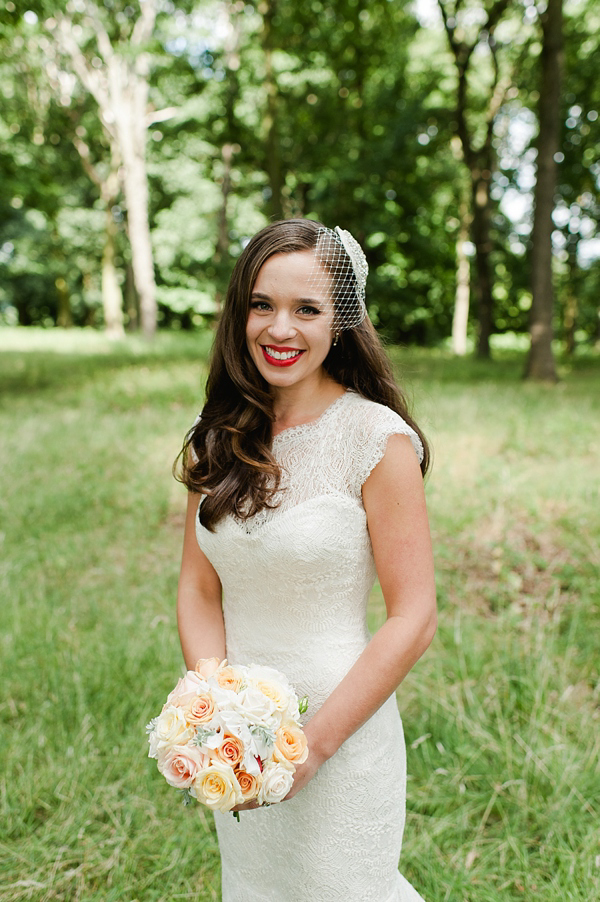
<point>340,272</point>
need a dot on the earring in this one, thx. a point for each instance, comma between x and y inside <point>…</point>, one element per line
<point>335,340</point>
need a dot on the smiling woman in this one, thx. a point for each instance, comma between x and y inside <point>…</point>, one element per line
<point>305,477</point>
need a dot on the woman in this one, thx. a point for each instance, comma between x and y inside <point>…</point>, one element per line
<point>309,473</point>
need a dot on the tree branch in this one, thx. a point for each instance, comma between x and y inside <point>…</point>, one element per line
<point>161,115</point>
<point>144,26</point>
<point>102,39</point>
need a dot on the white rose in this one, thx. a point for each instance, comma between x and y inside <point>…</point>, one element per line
<point>276,783</point>
<point>235,722</point>
<point>258,708</point>
<point>153,743</point>
<point>226,699</point>
<point>172,728</point>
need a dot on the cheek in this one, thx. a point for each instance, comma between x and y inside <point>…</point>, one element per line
<point>254,327</point>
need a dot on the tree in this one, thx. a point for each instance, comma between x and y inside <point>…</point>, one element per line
<point>478,152</point>
<point>116,72</point>
<point>540,361</point>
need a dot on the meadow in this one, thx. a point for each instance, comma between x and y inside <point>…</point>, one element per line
<point>501,715</point>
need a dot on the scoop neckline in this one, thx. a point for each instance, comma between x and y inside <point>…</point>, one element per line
<point>302,427</point>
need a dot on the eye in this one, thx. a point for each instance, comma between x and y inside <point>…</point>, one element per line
<point>307,310</point>
<point>260,306</point>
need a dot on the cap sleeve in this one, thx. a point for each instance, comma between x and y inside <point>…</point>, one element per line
<point>374,428</point>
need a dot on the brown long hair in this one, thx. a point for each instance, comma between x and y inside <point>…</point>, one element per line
<point>232,464</point>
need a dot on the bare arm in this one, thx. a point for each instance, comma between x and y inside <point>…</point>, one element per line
<point>394,500</point>
<point>199,611</point>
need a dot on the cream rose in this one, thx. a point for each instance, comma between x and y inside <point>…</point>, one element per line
<point>218,788</point>
<point>205,667</point>
<point>229,678</point>
<point>180,764</point>
<point>172,728</point>
<point>275,692</point>
<point>200,709</point>
<point>249,784</point>
<point>276,783</point>
<point>231,750</point>
<point>291,742</point>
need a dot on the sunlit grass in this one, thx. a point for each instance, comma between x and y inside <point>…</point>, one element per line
<point>501,714</point>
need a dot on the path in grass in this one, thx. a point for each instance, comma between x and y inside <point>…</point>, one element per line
<point>501,716</point>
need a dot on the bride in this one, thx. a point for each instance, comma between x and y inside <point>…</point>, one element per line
<point>305,478</point>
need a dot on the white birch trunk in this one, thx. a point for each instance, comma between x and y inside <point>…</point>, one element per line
<point>460,318</point>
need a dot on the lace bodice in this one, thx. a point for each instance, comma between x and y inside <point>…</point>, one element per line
<point>334,454</point>
<point>296,581</point>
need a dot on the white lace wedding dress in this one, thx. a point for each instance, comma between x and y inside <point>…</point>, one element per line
<point>295,586</point>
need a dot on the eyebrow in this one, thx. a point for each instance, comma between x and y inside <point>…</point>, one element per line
<point>265,297</point>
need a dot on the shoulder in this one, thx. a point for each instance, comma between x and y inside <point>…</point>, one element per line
<point>372,424</point>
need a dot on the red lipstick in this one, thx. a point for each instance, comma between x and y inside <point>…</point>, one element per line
<point>274,362</point>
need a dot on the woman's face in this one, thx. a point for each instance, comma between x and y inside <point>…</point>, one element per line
<point>289,328</point>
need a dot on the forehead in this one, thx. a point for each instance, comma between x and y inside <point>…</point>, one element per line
<point>297,274</point>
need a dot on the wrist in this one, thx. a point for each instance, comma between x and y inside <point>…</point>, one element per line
<point>320,746</point>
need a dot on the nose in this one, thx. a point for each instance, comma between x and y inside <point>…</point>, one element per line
<point>281,327</point>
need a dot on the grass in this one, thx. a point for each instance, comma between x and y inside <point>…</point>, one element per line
<point>501,716</point>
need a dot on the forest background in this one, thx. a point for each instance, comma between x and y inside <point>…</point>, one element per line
<point>142,144</point>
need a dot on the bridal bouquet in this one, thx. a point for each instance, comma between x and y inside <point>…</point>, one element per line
<point>228,735</point>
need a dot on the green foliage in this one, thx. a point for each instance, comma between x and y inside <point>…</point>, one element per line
<point>335,109</point>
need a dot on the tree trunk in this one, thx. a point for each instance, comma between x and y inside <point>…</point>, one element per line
<point>571,305</point>
<point>132,305</point>
<point>483,247</point>
<point>460,319</point>
<point>540,362</point>
<point>130,96</point>
<point>272,146</point>
<point>112,296</point>
<point>64,317</point>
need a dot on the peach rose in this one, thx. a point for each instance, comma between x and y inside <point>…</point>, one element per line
<point>249,784</point>
<point>229,678</point>
<point>217,787</point>
<point>291,742</point>
<point>279,758</point>
<point>231,750</point>
<point>200,709</point>
<point>180,764</point>
<point>206,667</point>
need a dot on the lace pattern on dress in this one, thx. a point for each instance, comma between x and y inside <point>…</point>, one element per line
<point>332,455</point>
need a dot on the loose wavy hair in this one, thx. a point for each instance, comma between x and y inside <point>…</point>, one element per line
<point>232,464</point>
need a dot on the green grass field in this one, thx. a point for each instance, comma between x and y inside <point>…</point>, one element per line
<point>501,716</point>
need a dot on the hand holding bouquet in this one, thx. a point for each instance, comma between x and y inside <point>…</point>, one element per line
<point>228,735</point>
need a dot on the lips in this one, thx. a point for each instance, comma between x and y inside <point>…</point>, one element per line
<point>277,356</point>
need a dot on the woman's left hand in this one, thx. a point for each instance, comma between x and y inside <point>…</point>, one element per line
<point>303,774</point>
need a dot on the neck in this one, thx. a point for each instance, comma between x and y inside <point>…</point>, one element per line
<point>302,403</point>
